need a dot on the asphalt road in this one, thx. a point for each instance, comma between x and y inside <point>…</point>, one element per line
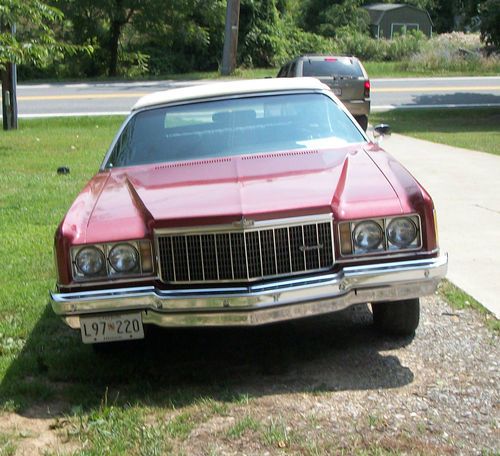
<point>117,98</point>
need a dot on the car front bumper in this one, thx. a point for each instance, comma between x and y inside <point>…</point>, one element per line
<point>259,304</point>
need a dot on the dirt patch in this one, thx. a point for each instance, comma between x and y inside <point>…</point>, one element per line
<point>35,436</point>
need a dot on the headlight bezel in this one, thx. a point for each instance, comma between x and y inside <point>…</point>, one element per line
<point>347,246</point>
<point>143,268</point>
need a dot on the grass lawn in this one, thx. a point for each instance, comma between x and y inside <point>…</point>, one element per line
<point>138,401</point>
<point>473,128</point>
<point>396,70</point>
<point>374,70</point>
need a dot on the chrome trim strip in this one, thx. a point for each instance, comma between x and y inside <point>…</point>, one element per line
<point>258,224</point>
<point>386,256</point>
<point>263,303</point>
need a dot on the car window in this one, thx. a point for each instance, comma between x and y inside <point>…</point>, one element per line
<point>291,71</point>
<point>233,127</point>
<point>340,66</point>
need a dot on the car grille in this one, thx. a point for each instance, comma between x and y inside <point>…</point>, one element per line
<point>245,254</point>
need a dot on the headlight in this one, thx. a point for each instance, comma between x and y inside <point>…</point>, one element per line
<point>401,232</point>
<point>123,258</point>
<point>90,261</point>
<point>367,236</point>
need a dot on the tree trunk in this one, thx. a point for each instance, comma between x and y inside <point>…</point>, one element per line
<point>115,31</point>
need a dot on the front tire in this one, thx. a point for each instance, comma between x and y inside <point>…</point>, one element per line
<point>398,318</point>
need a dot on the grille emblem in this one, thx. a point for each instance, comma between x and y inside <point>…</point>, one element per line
<point>244,223</point>
<point>310,248</point>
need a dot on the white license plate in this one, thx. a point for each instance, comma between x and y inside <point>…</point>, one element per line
<point>108,328</point>
<point>337,91</point>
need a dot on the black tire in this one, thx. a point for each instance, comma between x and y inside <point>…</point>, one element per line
<point>362,121</point>
<point>398,318</point>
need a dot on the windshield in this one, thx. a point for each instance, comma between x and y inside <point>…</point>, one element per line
<point>332,66</point>
<point>232,127</point>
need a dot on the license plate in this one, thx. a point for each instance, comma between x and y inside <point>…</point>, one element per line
<point>337,91</point>
<point>108,328</point>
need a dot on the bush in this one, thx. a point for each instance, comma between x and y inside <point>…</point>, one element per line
<point>457,51</point>
<point>367,48</point>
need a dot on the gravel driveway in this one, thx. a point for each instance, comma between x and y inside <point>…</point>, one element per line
<point>347,389</point>
<point>324,386</point>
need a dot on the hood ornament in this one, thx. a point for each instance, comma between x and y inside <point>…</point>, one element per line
<point>244,223</point>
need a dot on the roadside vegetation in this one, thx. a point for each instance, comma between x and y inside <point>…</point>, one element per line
<point>158,38</point>
<point>155,396</point>
<point>470,128</point>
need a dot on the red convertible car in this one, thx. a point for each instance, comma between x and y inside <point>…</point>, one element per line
<point>244,203</point>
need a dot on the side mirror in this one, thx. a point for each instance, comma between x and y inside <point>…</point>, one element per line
<point>379,131</point>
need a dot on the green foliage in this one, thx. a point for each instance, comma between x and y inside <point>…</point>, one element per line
<point>490,23</point>
<point>270,38</point>
<point>183,38</point>
<point>35,40</point>
<point>328,18</point>
<point>365,47</point>
<point>457,51</point>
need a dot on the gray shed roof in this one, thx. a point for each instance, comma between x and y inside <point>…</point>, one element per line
<point>377,10</point>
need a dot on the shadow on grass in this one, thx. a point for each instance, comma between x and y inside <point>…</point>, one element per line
<point>457,98</point>
<point>177,367</point>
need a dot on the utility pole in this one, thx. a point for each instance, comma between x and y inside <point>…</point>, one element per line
<point>230,37</point>
<point>9,96</point>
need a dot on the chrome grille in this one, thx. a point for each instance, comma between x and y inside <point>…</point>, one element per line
<point>236,255</point>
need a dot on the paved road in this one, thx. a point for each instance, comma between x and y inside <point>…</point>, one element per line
<point>100,98</point>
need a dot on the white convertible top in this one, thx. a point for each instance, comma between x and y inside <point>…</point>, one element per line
<point>216,89</point>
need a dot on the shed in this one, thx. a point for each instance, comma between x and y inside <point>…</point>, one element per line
<point>388,19</point>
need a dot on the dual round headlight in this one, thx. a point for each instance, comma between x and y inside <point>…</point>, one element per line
<point>368,236</point>
<point>90,261</point>
<point>123,258</point>
<point>401,232</point>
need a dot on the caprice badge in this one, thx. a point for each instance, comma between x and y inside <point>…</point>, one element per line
<point>244,223</point>
<point>310,248</point>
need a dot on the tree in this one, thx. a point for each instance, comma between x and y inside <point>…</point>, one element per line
<point>490,23</point>
<point>26,36</point>
<point>35,41</point>
<point>328,17</point>
<point>102,23</point>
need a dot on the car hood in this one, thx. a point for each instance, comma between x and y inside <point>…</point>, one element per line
<point>351,182</point>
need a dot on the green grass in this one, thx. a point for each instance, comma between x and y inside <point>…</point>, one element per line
<point>374,70</point>
<point>472,128</point>
<point>246,424</point>
<point>398,70</point>
<point>459,299</point>
<point>7,445</point>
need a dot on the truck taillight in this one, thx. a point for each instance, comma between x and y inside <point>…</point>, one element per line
<point>367,89</point>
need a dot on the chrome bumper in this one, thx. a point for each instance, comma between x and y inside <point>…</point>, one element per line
<point>260,304</point>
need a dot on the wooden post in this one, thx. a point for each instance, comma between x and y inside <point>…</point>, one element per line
<point>9,95</point>
<point>230,37</point>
